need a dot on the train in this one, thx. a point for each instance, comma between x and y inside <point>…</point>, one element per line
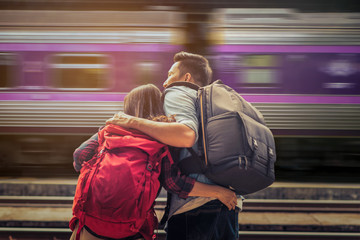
<point>301,70</point>
<point>63,73</point>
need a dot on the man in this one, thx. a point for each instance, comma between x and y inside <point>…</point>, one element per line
<point>194,217</point>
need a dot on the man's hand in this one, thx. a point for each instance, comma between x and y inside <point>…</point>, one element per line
<point>227,197</point>
<point>173,134</point>
<point>121,119</point>
<point>224,195</point>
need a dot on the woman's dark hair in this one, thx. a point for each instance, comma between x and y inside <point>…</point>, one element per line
<point>197,65</point>
<point>144,102</point>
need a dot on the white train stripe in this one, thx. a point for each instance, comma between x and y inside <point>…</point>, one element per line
<point>94,114</point>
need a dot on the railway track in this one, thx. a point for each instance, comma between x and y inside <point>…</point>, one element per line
<point>255,206</point>
<point>250,205</point>
<point>61,233</point>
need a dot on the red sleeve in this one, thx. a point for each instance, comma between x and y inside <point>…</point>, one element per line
<point>175,182</point>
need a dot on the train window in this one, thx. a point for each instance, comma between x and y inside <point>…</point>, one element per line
<point>147,72</point>
<point>260,76</point>
<point>228,63</point>
<point>7,69</point>
<point>260,61</point>
<point>260,70</point>
<point>80,71</point>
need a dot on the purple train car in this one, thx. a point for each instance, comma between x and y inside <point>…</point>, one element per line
<point>302,71</point>
<point>63,73</point>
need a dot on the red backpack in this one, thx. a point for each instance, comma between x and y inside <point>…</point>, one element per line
<point>117,188</point>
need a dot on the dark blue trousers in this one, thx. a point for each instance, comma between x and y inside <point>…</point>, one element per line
<point>212,221</point>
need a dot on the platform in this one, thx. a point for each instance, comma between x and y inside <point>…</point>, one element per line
<point>279,190</point>
<point>248,221</point>
<point>58,217</point>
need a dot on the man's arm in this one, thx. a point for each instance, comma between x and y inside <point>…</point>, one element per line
<point>173,134</point>
<point>177,183</point>
<point>225,195</point>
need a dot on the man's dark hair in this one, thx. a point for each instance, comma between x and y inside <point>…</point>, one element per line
<point>197,65</point>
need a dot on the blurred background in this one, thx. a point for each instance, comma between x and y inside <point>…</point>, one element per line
<point>65,67</point>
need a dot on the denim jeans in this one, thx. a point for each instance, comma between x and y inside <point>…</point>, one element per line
<point>212,221</point>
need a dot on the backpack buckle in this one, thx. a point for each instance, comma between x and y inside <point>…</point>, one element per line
<point>255,143</point>
<point>101,152</point>
<point>271,152</point>
<point>149,167</point>
<point>245,162</point>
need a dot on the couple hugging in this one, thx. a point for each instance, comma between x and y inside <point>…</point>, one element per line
<point>197,208</point>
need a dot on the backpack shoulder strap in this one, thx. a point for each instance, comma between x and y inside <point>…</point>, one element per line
<point>186,84</point>
<point>192,85</point>
<point>192,164</point>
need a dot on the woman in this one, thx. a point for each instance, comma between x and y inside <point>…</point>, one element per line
<point>145,102</point>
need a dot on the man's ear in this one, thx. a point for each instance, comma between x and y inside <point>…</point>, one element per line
<point>188,77</point>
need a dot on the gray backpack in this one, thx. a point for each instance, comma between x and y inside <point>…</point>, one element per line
<point>237,148</point>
